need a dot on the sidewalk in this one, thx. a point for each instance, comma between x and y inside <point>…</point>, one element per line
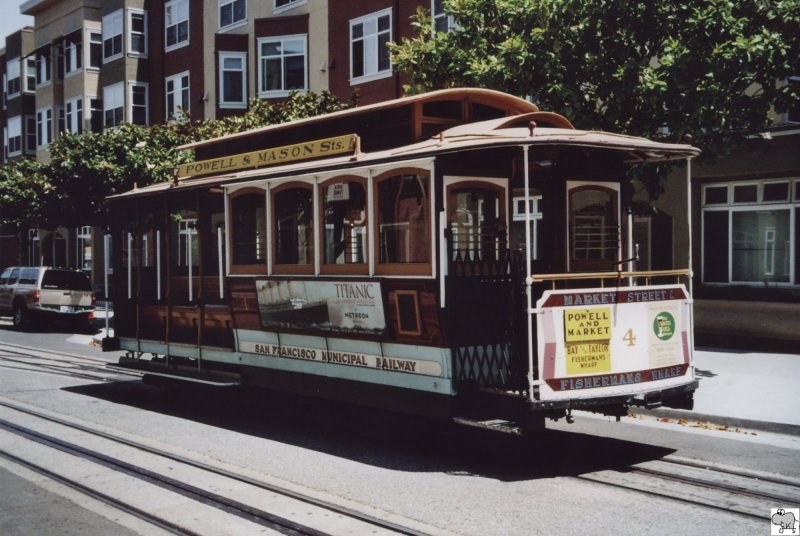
<point>752,390</point>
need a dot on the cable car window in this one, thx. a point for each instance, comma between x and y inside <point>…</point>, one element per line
<point>344,218</point>
<point>476,218</point>
<point>594,227</point>
<point>294,225</point>
<point>249,228</point>
<point>403,219</point>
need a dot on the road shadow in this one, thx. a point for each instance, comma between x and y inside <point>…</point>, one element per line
<point>380,438</point>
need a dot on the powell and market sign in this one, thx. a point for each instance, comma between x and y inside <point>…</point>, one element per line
<point>274,156</point>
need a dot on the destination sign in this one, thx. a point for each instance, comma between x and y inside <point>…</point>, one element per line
<point>272,157</point>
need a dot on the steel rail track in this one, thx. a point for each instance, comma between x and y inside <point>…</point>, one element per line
<point>84,366</point>
<point>249,513</point>
<point>327,505</point>
<point>102,497</point>
<point>706,484</point>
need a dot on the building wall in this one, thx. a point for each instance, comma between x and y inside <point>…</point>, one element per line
<point>342,12</point>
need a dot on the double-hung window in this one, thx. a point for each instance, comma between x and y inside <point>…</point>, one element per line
<point>73,54</point>
<point>14,139</point>
<point>177,92</point>
<point>176,23</point>
<point>442,21</point>
<point>232,12</point>
<point>13,86</point>
<point>282,65</point>
<point>750,232</point>
<point>42,69</point>
<point>369,55</point>
<point>139,103</point>
<point>112,35</point>
<point>232,80</point>
<point>113,105</point>
<point>44,127</point>
<point>283,5</point>
<point>30,134</point>
<point>137,32</point>
<point>30,74</point>
<point>95,50</point>
<point>73,110</point>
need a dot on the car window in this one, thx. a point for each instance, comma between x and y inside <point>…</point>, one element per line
<point>4,276</point>
<point>28,276</point>
<point>14,275</point>
<point>66,280</point>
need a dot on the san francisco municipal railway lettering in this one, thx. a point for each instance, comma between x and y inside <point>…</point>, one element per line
<point>412,366</point>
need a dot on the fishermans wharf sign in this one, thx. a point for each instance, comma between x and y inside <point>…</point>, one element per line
<point>273,156</point>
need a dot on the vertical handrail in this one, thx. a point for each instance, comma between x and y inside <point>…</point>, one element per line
<point>219,255</point>
<point>105,274</point>
<point>528,264</point>
<point>158,264</point>
<point>130,265</point>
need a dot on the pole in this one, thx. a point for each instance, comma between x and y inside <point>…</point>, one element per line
<point>105,273</point>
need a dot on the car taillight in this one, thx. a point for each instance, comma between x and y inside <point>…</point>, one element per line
<point>36,296</point>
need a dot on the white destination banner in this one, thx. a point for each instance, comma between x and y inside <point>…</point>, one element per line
<point>353,359</point>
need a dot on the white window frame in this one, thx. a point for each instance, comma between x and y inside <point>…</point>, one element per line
<point>113,99</point>
<point>74,120</point>
<point>283,91</point>
<point>95,39</point>
<point>131,33</point>
<point>44,127</point>
<point>290,4</point>
<point>371,72</point>
<point>792,205</point>
<point>241,104</point>
<point>83,240</point>
<point>113,22</point>
<point>436,16</point>
<point>29,75</point>
<point>30,132</point>
<point>171,7</point>
<point>73,56</point>
<point>44,70</point>
<point>14,130</point>
<point>130,107</point>
<point>175,113</point>
<point>14,72</point>
<point>234,23</point>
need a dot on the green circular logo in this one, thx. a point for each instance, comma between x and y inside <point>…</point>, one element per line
<point>664,326</point>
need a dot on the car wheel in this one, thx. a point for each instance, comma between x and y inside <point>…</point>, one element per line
<point>20,317</point>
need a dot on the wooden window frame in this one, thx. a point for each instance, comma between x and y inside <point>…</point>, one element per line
<point>589,264</point>
<point>292,269</point>
<point>240,269</point>
<point>415,295</point>
<point>351,268</point>
<point>399,268</point>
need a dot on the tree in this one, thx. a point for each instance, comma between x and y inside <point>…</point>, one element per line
<point>24,194</point>
<point>71,188</point>
<point>711,68</point>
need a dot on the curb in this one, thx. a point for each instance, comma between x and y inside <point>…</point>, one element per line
<point>730,422</point>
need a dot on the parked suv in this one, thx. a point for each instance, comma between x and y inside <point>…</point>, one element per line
<point>40,292</point>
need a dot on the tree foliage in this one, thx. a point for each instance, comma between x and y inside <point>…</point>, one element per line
<point>84,169</point>
<point>712,68</point>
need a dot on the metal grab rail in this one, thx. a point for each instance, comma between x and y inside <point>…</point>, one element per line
<point>603,276</point>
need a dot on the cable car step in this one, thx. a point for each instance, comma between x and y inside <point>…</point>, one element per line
<point>219,379</point>
<point>497,425</point>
